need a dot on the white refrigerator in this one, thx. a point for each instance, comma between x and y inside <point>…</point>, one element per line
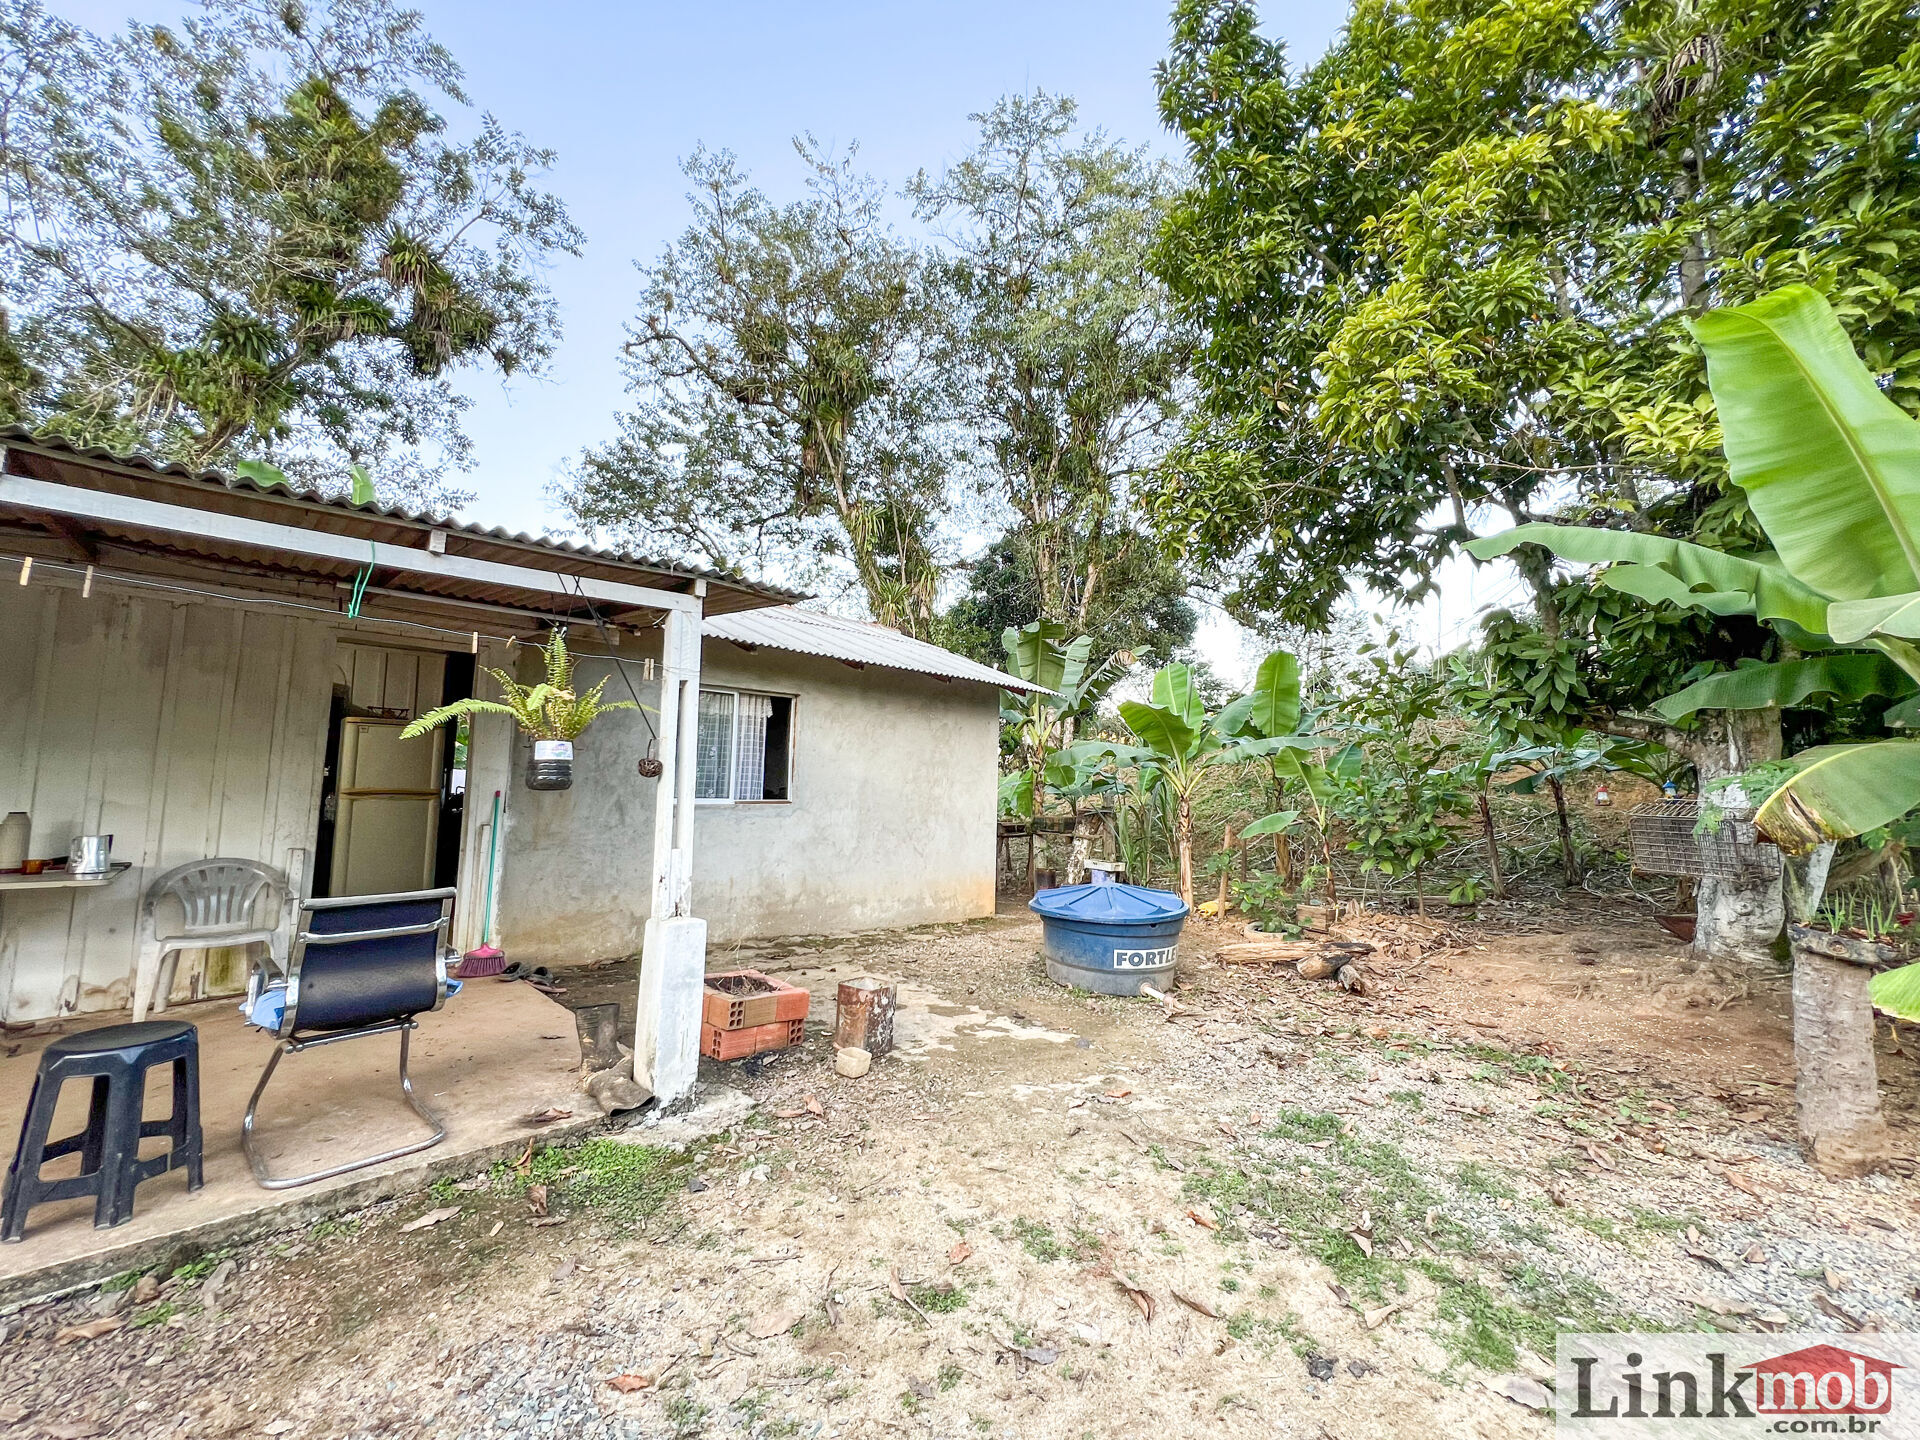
<point>387,821</point>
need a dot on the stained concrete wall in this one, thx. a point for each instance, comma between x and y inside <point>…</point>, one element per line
<point>891,820</point>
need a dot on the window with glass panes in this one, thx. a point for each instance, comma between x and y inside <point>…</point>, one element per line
<point>743,748</point>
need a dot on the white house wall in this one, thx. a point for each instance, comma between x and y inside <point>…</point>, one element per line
<point>891,821</point>
<point>185,729</point>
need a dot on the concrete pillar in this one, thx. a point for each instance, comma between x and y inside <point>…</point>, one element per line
<point>673,957</point>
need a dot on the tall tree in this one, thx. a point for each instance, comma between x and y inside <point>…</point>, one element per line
<point>1066,360</point>
<point>788,406</point>
<point>1441,272</point>
<point>252,235</point>
<point>1443,275</point>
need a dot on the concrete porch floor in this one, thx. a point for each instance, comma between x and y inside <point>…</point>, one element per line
<point>494,1055</point>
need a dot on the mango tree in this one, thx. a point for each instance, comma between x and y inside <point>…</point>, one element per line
<point>1831,468</point>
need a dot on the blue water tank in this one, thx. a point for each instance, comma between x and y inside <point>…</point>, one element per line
<point>1109,938</point>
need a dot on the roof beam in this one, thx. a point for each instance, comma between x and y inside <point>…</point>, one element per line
<point>43,497</point>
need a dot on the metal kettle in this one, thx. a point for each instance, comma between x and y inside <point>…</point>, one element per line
<point>90,855</point>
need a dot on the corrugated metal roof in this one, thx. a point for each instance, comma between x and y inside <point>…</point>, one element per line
<point>811,632</point>
<point>22,435</point>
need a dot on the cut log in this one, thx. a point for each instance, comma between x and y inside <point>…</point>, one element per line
<point>1837,1080</point>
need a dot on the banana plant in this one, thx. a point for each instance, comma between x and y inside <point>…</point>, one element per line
<point>549,710</point>
<point>1179,743</point>
<point>1038,725</point>
<point>1270,711</point>
<point>1831,468</point>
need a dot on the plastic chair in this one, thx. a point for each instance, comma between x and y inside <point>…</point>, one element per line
<point>220,903</point>
<point>362,965</point>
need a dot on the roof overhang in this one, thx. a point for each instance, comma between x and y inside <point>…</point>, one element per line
<point>134,518</point>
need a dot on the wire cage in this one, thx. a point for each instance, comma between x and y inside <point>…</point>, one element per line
<point>1665,841</point>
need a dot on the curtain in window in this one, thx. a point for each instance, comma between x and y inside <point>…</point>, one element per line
<point>750,748</point>
<point>713,747</point>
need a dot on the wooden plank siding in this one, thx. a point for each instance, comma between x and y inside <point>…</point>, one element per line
<point>185,728</point>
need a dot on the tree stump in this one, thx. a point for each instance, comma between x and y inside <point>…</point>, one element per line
<point>1837,1080</point>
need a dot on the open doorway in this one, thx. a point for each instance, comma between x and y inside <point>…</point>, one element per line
<point>390,807</point>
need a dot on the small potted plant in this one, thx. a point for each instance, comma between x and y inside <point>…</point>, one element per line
<point>551,713</point>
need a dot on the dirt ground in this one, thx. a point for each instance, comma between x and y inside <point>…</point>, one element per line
<point>1278,1210</point>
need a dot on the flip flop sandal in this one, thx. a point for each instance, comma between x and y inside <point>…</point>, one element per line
<point>518,970</point>
<point>541,978</point>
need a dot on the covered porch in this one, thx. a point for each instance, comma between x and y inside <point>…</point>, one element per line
<point>184,657</point>
<point>498,1055</point>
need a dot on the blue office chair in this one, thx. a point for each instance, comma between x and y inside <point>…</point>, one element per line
<point>360,966</point>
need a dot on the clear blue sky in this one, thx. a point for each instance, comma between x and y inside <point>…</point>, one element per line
<point>624,90</point>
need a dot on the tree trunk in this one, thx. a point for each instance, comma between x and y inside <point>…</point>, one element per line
<point>1419,893</point>
<point>1738,917</point>
<point>1326,858</point>
<point>1569,861</point>
<point>1493,847</point>
<point>1226,851</point>
<point>1183,842</point>
<point>1735,917</point>
<point>1837,1082</point>
<point>1086,828</point>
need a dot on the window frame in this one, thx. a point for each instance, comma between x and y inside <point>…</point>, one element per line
<point>733,743</point>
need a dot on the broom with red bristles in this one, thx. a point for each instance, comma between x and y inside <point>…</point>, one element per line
<point>487,958</point>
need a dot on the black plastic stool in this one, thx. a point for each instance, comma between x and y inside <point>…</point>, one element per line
<point>117,1059</point>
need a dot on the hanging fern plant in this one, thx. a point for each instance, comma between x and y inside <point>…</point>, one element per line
<point>551,713</point>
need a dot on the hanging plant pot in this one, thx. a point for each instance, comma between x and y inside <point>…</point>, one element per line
<point>552,765</point>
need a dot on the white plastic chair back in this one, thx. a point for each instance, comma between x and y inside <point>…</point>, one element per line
<point>219,896</point>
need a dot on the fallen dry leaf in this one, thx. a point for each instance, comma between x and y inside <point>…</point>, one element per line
<point>1366,1245</point>
<point>1204,1221</point>
<point>1140,1298</point>
<point>91,1330</point>
<point>549,1116</point>
<point>1374,1319</point>
<point>498,1226</point>
<point>630,1382</point>
<point>814,1107</point>
<point>777,1321</point>
<point>960,1253</point>
<point>1200,1305</point>
<point>537,1199</point>
<point>1827,1307</point>
<point>1741,1182</point>
<point>432,1217</point>
<point>541,1222</point>
<point>1833,1280</point>
<point>1118,1094</point>
<point>788,1114</point>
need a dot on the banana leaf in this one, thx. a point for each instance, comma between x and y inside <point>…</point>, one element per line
<point>1755,686</point>
<point>1652,583</point>
<point>1276,823</point>
<point>1274,701</point>
<point>1016,794</point>
<point>1897,992</point>
<point>1840,791</point>
<point>1161,730</point>
<point>1830,465</point>
<point>1174,691</point>
<point>1851,621</point>
<point>1777,595</point>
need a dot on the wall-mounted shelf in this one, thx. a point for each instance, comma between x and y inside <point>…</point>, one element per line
<point>61,880</point>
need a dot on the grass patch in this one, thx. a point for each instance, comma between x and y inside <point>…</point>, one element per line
<point>155,1315</point>
<point>1038,1240</point>
<point>949,1377</point>
<point>687,1416</point>
<point>940,1299</point>
<point>627,1183</point>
